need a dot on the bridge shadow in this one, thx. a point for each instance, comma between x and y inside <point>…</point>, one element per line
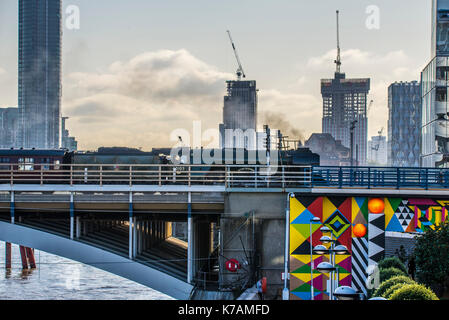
<point>161,266</point>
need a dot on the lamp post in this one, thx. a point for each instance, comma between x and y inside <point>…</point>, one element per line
<point>326,267</point>
<point>314,219</point>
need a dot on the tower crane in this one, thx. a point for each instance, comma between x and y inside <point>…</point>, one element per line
<point>240,73</point>
<point>369,107</point>
<point>338,61</point>
<point>376,148</point>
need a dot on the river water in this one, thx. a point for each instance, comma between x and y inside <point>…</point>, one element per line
<point>57,278</point>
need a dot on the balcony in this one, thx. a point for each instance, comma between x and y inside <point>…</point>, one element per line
<point>441,107</point>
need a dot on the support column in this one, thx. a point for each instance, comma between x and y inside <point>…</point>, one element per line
<point>23,256</point>
<point>130,243</point>
<point>78,227</point>
<point>140,237</point>
<point>12,208</point>
<point>30,256</point>
<point>8,255</point>
<point>135,235</point>
<point>72,216</point>
<point>189,239</point>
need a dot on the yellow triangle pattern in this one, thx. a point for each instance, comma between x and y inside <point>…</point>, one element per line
<point>296,208</point>
<point>389,212</point>
<point>305,276</point>
<point>355,210</point>
<point>296,239</point>
<point>328,208</point>
<point>304,258</point>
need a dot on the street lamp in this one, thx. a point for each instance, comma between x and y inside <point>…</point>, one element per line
<point>346,293</point>
<point>326,267</point>
<point>313,220</point>
<point>320,249</point>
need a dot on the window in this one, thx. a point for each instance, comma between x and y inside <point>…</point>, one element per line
<point>26,164</point>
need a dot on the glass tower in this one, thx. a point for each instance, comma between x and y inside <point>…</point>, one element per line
<point>39,87</point>
<point>404,124</point>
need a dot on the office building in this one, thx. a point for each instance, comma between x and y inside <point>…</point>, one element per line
<point>39,87</point>
<point>404,124</point>
<point>434,81</point>
<point>67,142</point>
<point>377,151</point>
<point>8,127</point>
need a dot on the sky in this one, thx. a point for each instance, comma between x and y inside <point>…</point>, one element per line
<point>138,71</point>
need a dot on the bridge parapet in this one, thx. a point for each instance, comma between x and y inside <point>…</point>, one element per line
<point>205,177</point>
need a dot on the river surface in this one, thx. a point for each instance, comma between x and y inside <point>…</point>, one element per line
<point>58,278</point>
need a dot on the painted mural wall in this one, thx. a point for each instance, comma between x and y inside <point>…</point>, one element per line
<point>347,218</point>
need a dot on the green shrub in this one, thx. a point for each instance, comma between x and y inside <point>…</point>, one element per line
<point>392,262</point>
<point>413,292</point>
<point>388,273</point>
<point>384,286</point>
<point>393,289</point>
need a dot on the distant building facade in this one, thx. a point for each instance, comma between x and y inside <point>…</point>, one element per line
<point>238,129</point>
<point>345,100</point>
<point>331,151</point>
<point>434,80</point>
<point>9,121</point>
<point>404,124</point>
<point>39,86</point>
<point>377,151</point>
<point>67,142</point>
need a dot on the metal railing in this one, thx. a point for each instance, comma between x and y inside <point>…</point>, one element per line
<point>380,177</point>
<point>254,176</point>
<point>229,176</point>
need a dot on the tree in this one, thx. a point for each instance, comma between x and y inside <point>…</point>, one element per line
<point>413,292</point>
<point>401,254</point>
<point>384,286</point>
<point>392,262</point>
<point>391,272</point>
<point>432,258</point>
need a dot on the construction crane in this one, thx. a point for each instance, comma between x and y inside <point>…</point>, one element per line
<point>369,107</point>
<point>240,73</point>
<point>376,147</point>
<point>338,61</point>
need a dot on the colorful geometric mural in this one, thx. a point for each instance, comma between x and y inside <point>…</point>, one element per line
<point>336,214</point>
<point>340,215</point>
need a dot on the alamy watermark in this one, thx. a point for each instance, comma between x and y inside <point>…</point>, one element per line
<point>373,277</point>
<point>372,22</point>
<point>72,17</point>
<point>236,146</point>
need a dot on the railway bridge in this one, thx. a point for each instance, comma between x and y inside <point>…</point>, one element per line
<point>177,228</point>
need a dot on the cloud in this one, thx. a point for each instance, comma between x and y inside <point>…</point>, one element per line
<point>296,115</point>
<point>139,102</point>
<point>357,57</point>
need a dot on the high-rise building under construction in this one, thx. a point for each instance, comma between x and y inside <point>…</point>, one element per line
<point>39,87</point>
<point>238,129</point>
<point>345,106</point>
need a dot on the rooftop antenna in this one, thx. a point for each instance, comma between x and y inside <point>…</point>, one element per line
<point>338,61</point>
<point>240,71</point>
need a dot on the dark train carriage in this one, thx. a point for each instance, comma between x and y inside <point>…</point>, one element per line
<point>30,165</point>
<point>242,165</point>
<point>114,165</point>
